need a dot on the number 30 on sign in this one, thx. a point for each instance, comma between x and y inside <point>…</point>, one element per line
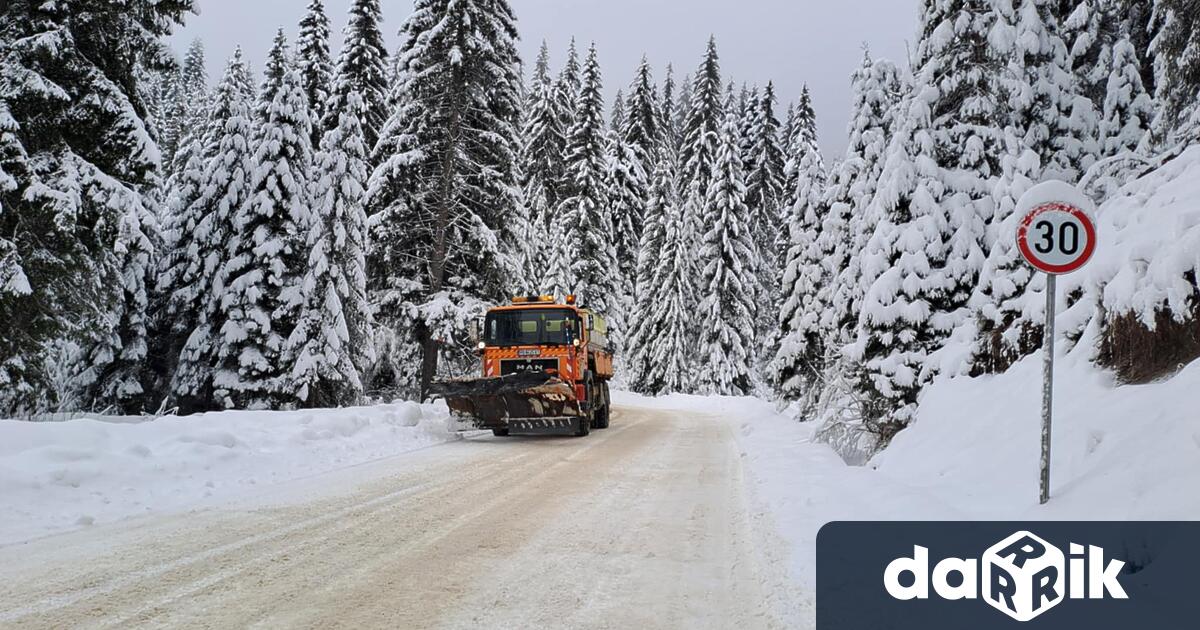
<point>1057,238</point>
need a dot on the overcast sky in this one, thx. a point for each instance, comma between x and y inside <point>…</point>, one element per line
<point>793,42</point>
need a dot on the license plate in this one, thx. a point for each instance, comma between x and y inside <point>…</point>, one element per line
<point>529,353</point>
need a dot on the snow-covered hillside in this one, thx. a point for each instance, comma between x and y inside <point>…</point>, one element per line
<point>1120,453</point>
<point>60,475</point>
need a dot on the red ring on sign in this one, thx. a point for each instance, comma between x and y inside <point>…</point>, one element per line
<point>1040,265</point>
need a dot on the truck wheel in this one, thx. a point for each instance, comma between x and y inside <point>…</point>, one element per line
<point>606,414</point>
<point>593,403</point>
<point>500,432</point>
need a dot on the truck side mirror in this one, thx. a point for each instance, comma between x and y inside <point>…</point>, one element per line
<point>473,332</point>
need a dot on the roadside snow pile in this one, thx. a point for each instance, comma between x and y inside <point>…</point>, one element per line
<point>1120,453</point>
<point>59,475</point>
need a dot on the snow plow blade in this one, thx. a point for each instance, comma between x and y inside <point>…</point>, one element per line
<point>518,401</point>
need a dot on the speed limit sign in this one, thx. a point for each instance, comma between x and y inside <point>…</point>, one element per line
<point>1057,237</point>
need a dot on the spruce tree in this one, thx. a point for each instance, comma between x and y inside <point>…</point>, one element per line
<point>803,140</point>
<point>79,170</point>
<point>360,69</point>
<point>197,237</point>
<point>586,263</point>
<point>728,259</point>
<point>333,343</point>
<point>627,188</point>
<point>447,177</point>
<point>1039,144</point>
<point>803,337</point>
<point>905,255</point>
<point>316,65</point>
<point>279,60</point>
<point>643,129</point>
<point>664,343</point>
<point>1177,74</point>
<point>878,89</point>
<point>543,142</point>
<point>186,110</point>
<point>700,135</point>
<point>644,328</point>
<point>567,86</point>
<point>701,130</point>
<point>268,254</point>
<point>1128,108</point>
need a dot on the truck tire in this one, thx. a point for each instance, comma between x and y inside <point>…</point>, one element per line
<point>588,421</point>
<point>606,414</point>
<point>500,432</point>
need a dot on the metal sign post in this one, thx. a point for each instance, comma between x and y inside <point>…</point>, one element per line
<point>1055,237</point>
<point>1048,384</point>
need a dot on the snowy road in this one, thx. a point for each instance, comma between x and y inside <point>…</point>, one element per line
<point>645,525</point>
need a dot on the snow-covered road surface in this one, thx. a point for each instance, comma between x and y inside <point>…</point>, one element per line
<point>645,525</point>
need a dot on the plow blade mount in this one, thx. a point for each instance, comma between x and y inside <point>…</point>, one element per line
<point>503,401</point>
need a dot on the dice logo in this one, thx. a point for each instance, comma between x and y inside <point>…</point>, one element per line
<point>1024,576</point>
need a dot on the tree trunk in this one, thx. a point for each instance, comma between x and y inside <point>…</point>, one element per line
<point>445,199</point>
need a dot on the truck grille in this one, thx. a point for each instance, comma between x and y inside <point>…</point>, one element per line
<point>518,366</point>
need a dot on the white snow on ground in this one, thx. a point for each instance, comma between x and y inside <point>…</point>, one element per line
<point>1120,453</point>
<point>62,475</point>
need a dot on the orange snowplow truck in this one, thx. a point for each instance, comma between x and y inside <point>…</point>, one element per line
<point>546,368</point>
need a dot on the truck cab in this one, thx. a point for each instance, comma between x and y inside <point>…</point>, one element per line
<point>545,366</point>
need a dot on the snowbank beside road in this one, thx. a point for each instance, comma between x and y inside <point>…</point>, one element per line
<point>61,475</point>
<point>1120,453</point>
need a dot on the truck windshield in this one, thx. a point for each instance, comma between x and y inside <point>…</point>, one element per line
<point>533,327</point>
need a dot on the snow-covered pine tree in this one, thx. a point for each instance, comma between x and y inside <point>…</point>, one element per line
<point>586,264</point>
<point>333,342</point>
<point>268,254</point>
<point>803,335</point>
<point>197,237</point>
<point>279,61</point>
<point>728,260</point>
<point>700,135</point>
<point>663,343</point>
<point>669,134</point>
<point>360,68</point>
<point>162,112</point>
<point>1039,145</point>
<point>878,89</point>
<point>705,115</point>
<point>625,183</point>
<point>789,130</point>
<point>543,142</point>
<point>747,108</point>
<point>764,172</point>
<point>764,196</point>
<point>644,328</point>
<point>803,140</point>
<point>1128,108</point>
<point>905,255</point>
<point>643,129</point>
<point>186,111</point>
<point>1177,73</point>
<point>616,116</point>
<point>447,178</point>
<point>316,65</point>
<point>567,86</point>
<point>78,169</point>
